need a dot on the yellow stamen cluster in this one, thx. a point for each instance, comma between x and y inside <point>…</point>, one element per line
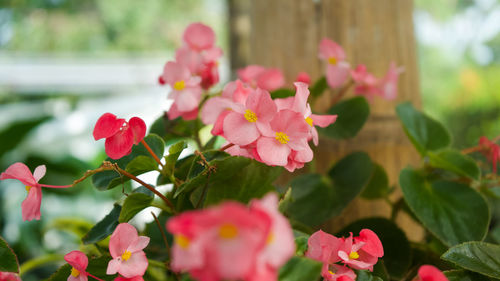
<point>75,272</point>
<point>179,85</point>
<point>354,255</point>
<point>182,241</point>
<point>282,137</point>
<point>228,231</point>
<point>270,238</point>
<point>126,255</point>
<point>332,60</point>
<point>28,188</point>
<point>250,116</point>
<point>309,121</point>
<point>332,273</point>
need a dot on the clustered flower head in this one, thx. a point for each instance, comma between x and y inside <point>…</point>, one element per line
<point>365,83</point>
<point>232,242</point>
<point>339,255</point>
<point>195,69</point>
<point>275,132</point>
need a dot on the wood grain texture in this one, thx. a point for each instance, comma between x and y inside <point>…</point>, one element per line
<point>286,34</point>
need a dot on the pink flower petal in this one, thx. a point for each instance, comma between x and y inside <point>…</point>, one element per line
<point>138,244</point>
<point>238,130</point>
<point>135,278</point>
<point>121,239</point>
<point>303,77</point>
<point>134,266</point>
<point>119,144</point>
<point>77,260</point>
<point>323,120</point>
<point>199,36</point>
<point>113,266</point>
<point>138,128</point>
<point>328,49</point>
<point>213,108</point>
<point>272,152</point>
<point>39,172</point>
<point>430,273</point>
<point>106,126</point>
<point>174,72</point>
<point>301,96</point>
<point>304,155</point>
<point>270,79</point>
<point>337,74</point>
<point>250,73</point>
<point>323,247</point>
<point>372,246</point>
<point>21,172</point>
<point>262,105</point>
<point>31,205</point>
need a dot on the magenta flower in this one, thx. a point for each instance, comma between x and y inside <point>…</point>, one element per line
<point>280,245</point>
<point>337,69</point>
<point>79,263</point>
<point>363,252</point>
<point>219,243</point>
<point>430,273</point>
<point>9,276</point>
<point>31,205</point>
<point>125,246</point>
<point>289,131</point>
<point>491,150</point>
<point>257,76</point>
<point>120,135</point>
<point>245,124</point>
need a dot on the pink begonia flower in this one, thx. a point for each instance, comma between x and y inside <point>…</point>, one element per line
<point>79,263</point>
<point>135,278</point>
<point>363,252</point>
<point>366,84</point>
<point>336,272</point>
<point>219,243</point>
<point>491,150</point>
<point>31,205</point>
<point>430,273</point>
<point>289,131</point>
<point>258,76</point>
<point>120,135</point>
<point>199,36</point>
<point>323,247</point>
<point>186,90</point>
<point>245,124</point>
<point>389,84</point>
<point>303,77</point>
<point>125,246</point>
<point>280,245</point>
<point>9,276</point>
<point>337,70</point>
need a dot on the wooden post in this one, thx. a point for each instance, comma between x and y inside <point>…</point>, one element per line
<point>286,34</point>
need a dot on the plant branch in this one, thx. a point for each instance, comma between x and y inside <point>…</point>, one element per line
<point>152,153</point>
<point>341,92</point>
<point>163,235</point>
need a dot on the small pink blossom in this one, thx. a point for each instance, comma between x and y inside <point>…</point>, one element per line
<point>366,84</point>
<point>120,135</point>
<point>337,70</point>
<point>126,248</point>
<point>303,77</point>
<point>9,276</point>
<point>31,205</point>
<point>79,263</point>
<point>430,273</point>
<point>491,150</point>
<point>389,84</point>
<point>135,278</point>
<point>363,252</point>
<point>199,36</point>
<point>323,247</point>
<point>258,76</point>
<point>335,272</point>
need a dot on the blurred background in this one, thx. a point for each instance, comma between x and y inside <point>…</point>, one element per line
<point>63,63</point>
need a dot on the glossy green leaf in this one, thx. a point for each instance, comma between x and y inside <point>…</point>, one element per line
<point>453,212</point>
<point>175,130</point>
<point>479,257</point>
<point>104,228</point>
<point>139,161</point>
<point>134,203</point>
<point>300,269</point>
<point>397,251</point>
<point>174,152</point>
<point>351,116</point>
<point>464,275</point>
<point>364,275</point>
<point>8,261</point>
<point>319,87</point>
<point>456,162</point>
<point>96,267</point>
<point>424,132</point>
<point>378,186</point>
<point>316,198</point>
<point>282,93</point>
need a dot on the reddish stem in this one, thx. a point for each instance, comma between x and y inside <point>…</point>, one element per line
<point>96,278</point>
<point>152,153</point>
<point>56,186</point>
<point>226,146</point>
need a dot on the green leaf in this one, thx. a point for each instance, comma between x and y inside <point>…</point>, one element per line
<point>454,161</point>
<point>282,93</point>
<point>16,132</point>
<point>134,203</point>
<point>75,225</point>
<point>174,130</point>
<point>479,257</point>
<point>424,132</point>
<point>397,251</point>
<point>378,186</point>
<point>316,198</point>
<point>319,87</point>
<point>139,161</point>
<point>351,116</point>
<point>300,269</point>
<point>453,212</point>
<point>301,239</point>
<point>464,275</point>
<point>96,267</point>
<point>364,275</point>
<point>8,262</point>
<point>173,154</point>
<point>104,228</point>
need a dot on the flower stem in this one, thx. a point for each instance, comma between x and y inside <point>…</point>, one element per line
<point>341,92</point>
<point>96,278</point>
<point>56,186</point>
<point>226,146</point>
<point>152,153</point>
<point>163,235</point>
